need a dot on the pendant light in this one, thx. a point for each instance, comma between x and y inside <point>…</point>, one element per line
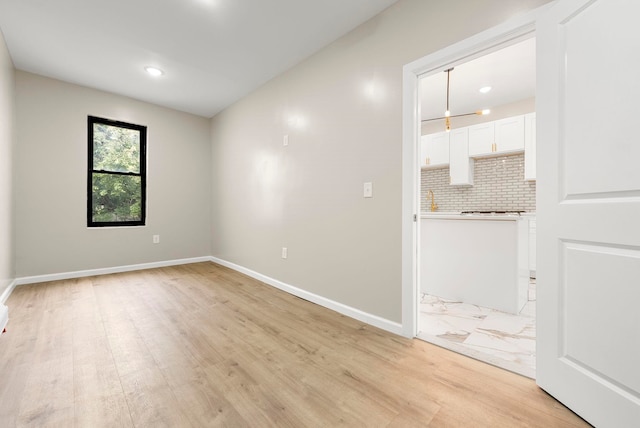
<point>447,114</point>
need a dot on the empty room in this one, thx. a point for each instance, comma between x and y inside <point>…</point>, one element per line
<point>292,213</point>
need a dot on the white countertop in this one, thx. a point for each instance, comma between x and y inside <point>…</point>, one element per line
<point>457,216</point>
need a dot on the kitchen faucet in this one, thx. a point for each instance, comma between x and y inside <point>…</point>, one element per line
<point>434,206</point>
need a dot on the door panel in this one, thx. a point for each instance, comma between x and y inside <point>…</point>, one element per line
<point>588,264</point>
<point>595,88</point>
<point>594,276</point>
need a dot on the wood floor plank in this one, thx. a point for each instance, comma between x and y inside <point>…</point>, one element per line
<point>102,411</point>
<point>203,345</point>
<point>47,398</point>
<point>95,372</point>
<point>205,405</point>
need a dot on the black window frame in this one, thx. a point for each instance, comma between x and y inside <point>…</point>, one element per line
<point>91,120</point>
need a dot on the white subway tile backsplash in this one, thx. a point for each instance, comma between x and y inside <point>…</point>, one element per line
<point>498,185</point>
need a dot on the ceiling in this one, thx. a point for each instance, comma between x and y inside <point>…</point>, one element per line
<point>511,73</point>
<point>212,52</point>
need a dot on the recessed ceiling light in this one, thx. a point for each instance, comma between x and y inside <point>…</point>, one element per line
<point>154,71</point>
<point>485,89</point>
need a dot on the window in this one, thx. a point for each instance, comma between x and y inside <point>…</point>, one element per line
<point>116,188</point>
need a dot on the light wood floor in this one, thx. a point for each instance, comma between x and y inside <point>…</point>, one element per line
<point>202,345</point>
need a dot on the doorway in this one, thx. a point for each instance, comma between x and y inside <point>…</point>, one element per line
<point>470,301</point>
<point>582,360</point>
<point>486,43</point>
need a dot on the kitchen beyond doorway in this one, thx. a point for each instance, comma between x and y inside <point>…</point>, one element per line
<point>498,182</point>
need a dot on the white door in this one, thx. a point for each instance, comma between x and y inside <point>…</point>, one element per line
<point>588,219</point>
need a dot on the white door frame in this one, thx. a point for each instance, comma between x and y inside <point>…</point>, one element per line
<point>510,32</point>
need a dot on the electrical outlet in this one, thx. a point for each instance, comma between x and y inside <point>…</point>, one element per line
<point>284,252</point>
<point>156,239</point>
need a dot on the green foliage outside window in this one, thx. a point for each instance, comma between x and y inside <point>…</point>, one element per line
<point>116,178</point>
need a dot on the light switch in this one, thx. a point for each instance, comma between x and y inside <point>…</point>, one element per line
<point>368,190</point>
<point>285,140</point>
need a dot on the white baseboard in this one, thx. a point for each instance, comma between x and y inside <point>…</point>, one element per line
<point>4,310</point>
<point>374,320</point>
<point>105,271</point>
<point>7,292</point>
<point>4,317</point>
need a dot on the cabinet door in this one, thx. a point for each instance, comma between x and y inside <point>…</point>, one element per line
<point>509,134</point>
<point>436,150</point>
<point>530,146</point>
<point>461,165</point>
<point>481,139</point>
<point>423,161</point>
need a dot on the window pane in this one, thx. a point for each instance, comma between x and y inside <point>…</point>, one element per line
<point>115,148</point>
<point>116,198</point>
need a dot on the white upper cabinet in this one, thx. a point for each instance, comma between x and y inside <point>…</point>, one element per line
<point>530,146</point>
<point>495,138</point>
<point>510,135</point>
<point>457,148</point>
<point>481,139</point>
<point>461,165</point>
<point>434,150</point>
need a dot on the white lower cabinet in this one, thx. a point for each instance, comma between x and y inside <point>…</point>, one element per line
<point>479,261</point>
<point>460,164</point>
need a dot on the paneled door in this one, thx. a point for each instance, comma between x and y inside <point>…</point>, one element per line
<point>588,219</point>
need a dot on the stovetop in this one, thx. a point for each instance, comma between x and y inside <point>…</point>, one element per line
<point>491,212</point>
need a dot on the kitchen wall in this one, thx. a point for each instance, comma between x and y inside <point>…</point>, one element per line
<point>51,181</point>
<point>7,149</point>
<point>499,185</point>
<point>342,112</point>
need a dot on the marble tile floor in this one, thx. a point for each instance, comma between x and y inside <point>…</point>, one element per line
<point>502,339</point>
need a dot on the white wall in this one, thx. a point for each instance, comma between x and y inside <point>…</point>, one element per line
<point>308,196</point>
<point>7,144</point>
<point>51,176</point>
